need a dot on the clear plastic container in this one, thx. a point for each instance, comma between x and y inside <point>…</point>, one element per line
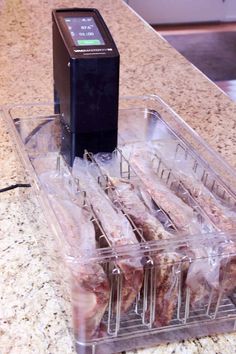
<point>145,291</point>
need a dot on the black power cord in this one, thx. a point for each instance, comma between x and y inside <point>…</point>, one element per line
<point>13,186</point>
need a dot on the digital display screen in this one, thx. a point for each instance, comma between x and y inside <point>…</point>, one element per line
<point>84,31</point>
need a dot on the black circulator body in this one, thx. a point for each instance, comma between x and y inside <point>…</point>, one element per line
<point>86,81</point>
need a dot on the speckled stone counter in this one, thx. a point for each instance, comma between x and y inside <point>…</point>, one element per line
<point>33,317</point>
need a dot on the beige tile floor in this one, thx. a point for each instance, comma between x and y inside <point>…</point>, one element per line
<point>229,87</point>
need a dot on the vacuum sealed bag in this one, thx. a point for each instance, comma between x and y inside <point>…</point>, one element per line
<point>147,233</point>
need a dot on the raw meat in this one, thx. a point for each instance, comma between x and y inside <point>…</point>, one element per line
<point>118,231</point>
<point>202,276</point>
<point>228,268</point>
<point>168,272</point>
<point>223,276</point>
<point>128,197</point>
<point>181,214</point>
<point>166,265</point>
<point>199,270</point>
<point>90,286</point>
<point>89,283</point>
<point>212,207</point>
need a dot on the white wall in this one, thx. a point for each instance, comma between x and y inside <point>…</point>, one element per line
<point>230,10</point>
<point>180,11</point>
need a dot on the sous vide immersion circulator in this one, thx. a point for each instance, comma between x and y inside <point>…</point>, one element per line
<point>86,81</point>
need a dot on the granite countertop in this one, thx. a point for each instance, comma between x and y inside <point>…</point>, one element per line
<point>33,317</point>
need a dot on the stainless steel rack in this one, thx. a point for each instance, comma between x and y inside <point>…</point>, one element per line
<point>220,307</point>
<point>136,327</point>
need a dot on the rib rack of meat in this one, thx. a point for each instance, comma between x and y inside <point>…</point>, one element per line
<point>166,292</point>
<point>89,284</point>
<point>118,231</point>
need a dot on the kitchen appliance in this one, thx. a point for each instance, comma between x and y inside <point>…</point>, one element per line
<point>205,262</point>
<point>86,81</point>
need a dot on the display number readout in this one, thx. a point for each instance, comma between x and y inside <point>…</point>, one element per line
<point>84,31</point>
